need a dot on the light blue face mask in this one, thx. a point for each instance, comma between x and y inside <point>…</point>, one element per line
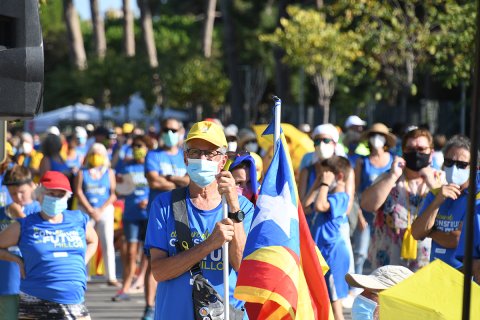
<point>456,175</point>
<point>363,308</point>
<point>170,138</point>
<point>82,140</point>
<point>53,206</point>
<point>202,171</point>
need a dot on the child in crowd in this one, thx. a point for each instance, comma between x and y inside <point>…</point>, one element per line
<point>20,185</point>
<point>330,206</point>
<point>18,181</point>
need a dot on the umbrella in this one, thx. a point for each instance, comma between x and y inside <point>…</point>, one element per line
<point>299,143</point>
<point>434,292</point>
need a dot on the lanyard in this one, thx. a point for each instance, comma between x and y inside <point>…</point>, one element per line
<point>409,204</point>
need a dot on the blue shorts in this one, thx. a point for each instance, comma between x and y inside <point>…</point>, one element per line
<point>135,231</point>
<point>338,259</point>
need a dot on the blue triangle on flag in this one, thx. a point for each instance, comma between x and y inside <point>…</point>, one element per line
<point>271,129</point>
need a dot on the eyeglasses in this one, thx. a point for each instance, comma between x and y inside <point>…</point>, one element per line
<point>165,130</point>
<point>459,164</point>
<point>138,146</point>
<point>197,153</point>
<point>417,149</point>
<point>316,142</point>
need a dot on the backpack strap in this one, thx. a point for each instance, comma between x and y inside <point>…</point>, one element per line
<point>182,227</point>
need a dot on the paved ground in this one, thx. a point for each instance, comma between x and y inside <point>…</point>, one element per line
<point>101,306</point>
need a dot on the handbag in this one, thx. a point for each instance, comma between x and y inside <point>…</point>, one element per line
<point>409,244</point>
<point>207,303</point>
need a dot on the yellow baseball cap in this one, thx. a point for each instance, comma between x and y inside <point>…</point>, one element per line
<point>127,127</point>
<point>208,131</point>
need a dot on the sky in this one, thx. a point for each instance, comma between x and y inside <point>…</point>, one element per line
<point>83,7</point>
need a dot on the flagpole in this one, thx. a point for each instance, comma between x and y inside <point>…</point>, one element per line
<point>226,268</point>
<point>277,118</point>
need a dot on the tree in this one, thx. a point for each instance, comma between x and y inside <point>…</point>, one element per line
<point>98,30</point>
<point>75,38</point>
<point>128,33</point>
<point>396,35</point>
<point>208,28</point>
<point>147,32</point>
<point>321,48</point>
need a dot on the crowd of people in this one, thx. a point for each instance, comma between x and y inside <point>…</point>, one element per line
<point>373,200</point>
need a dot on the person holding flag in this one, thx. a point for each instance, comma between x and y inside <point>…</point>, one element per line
<point>175,264</point>
<point>282,273</point>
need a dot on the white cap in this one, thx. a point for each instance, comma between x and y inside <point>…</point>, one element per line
<point>380,279</point>
<point>231,130</point>
<point>354,121</point>
<point>53,130</point>
<point>80,132</point>
<point>326,129</point>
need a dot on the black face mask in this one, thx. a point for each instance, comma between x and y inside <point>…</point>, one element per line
<point>416,160</point>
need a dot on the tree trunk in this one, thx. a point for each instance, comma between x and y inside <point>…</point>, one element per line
<point>75,38</point>
<point>319,4</point>
<point>325,87</point>
<point>232,64</point>
<point>282,71</point>
<point>128,33</point>
<point>98,30</point>
<point>147,31</point>
<point>208,28</point>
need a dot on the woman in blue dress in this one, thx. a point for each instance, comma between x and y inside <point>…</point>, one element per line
<point>55,244</point>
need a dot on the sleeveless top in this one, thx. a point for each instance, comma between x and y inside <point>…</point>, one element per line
<point>54,256</point>
<point>9,271</point>
<point>97,191</point>
<point>370,173</point>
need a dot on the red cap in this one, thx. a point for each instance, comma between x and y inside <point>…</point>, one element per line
<point>55,180</point>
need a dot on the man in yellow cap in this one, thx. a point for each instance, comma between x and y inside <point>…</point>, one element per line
<point>173,266</point>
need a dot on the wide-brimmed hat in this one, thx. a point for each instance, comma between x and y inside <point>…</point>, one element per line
<point>380,279</point>
<point>381,129</point>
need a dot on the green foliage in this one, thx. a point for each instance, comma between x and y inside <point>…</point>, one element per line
<point>453,43</point>
<point>198,81</point>
<point>311,42</point>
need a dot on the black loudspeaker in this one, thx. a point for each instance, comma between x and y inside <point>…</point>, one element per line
<point>21,59</point>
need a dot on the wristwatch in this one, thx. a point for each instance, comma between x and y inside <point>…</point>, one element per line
<point>237,216</point>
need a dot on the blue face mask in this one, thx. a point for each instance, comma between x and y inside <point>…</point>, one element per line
<point>456,175</point>
<point>53,206</point>
<point>202,171</point>
<point>170,138</point>
<point>82,140</point>
<point>363,308</point>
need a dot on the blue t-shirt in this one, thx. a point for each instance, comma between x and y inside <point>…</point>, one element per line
<point>132,211</point>
<point>59,166</point>
<point>9,271</point>
<point>165,164</point>
<point>449,216</point>
<point>476,237</point>
<point>97,191</point>
<point>174,297</point>
<point>32,207</point>
<point>54,256</point>
<point>75,163</point>
<point>326,229</point>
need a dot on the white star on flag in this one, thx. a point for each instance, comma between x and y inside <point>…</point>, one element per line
<point>280,209</point>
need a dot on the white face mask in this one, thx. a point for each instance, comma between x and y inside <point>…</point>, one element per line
<point>325,150</point>
<point>251,147</point>
<point>27,147</point>
<point>377,141</point>
<point>232,146</point>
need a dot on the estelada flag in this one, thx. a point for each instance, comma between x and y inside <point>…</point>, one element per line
<point>281,276</point>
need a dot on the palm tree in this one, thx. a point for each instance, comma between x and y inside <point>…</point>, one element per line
<point>98,30</point>
<point>128,33</point>
<point>208,28</point>
<point>147,31</point>
<point>75,38</point>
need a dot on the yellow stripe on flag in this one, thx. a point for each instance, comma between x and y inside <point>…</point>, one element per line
<point>258,295</point>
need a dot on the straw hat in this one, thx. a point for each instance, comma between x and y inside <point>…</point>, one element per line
<point>381,129</point>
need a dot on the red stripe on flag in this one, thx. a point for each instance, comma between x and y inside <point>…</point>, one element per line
<point>313,270</point>
<point>268,277</point>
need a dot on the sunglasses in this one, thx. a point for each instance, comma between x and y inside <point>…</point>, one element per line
<point>417,149</point>
<point>317,142</point>
<point>459,164</point>
<point>138,146</point>
<point>165,130</point>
